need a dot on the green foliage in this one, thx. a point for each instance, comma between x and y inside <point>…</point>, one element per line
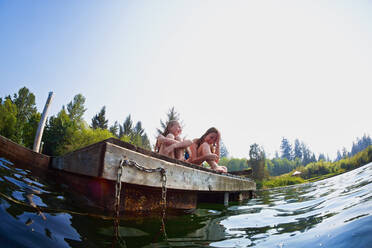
<point>281,181</point>
<point>64,135</point>
<point>17,116</point>
<point>99,120</point>
<point>137,140</point>
<point>135,135</point>
<point>286,149</point>
<point>30,129</point>
<point>278,166</point>
<point>76,109</point>
<point>234,164</point>
<point>126,129</point>
<point>58,134</point>
<point>87,136</point>
<point>65,132</point>
<point>8,119</point>
<point>257,162</point>
<point>138,130</point>
<point>322,169</point>
<point>114,129</point>
<point>346,164</point>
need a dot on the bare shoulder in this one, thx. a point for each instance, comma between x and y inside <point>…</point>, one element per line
<point>204,148</point>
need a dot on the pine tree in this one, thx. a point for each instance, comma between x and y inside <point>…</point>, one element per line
<point>224,153</point>
<point>172,115</point>
<point>99,120</point>
<point>114,129</point>
<point>306,154</point>
<point>297,149</point>
<point>257,161</point>
<point>126,128</point>
<point>339,156</point>
<point>322,157</point>
<point>75,109</point>
<point>138,129</point>
<point>286,149</point>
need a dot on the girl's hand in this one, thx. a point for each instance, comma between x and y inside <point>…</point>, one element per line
<point>211,156</point>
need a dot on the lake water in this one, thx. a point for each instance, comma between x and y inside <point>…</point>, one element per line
<point>336,212</point>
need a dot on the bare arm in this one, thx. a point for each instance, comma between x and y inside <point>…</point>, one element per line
<point>169,140</point>
<point>217,152</point>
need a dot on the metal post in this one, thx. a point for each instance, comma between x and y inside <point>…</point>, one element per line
<point>226,199</point>
<point>40,129</point>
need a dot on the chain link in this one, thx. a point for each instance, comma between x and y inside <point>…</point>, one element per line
<point>118,186</point>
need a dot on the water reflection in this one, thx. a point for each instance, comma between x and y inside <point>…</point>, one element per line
<point>38,212</point>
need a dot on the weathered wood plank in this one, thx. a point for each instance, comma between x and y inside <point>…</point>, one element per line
<point>178,176</point>
<point>86,161</point>
<point>22,155</point>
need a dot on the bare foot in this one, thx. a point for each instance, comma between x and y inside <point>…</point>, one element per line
<point>222,169</point>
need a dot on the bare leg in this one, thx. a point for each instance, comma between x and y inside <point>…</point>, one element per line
<point>205,150</point>
<point>178,148</point>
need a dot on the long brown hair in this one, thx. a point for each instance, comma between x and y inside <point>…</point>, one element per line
<point>165,133</point>
<point>202,138</point>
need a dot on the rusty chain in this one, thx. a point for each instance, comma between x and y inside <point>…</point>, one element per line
<point>118,188</point>
<point>118,185</point>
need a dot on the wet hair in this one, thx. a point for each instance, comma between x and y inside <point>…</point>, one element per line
<point>202,138</point>
<point>165,133</point>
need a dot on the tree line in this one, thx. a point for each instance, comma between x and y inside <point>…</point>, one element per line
<point>65,131</point>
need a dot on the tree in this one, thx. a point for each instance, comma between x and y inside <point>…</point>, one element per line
<point>99,120</point>
<point>26,107</point>
<point>25,102</point>
<point>126,129</point>
<point>58,133</point>
<point>29,130</point>
<point>8,119</point>
<point>138,129</point>
<point>224,153</point>
<point>322,157</point>
<point>114,129</point>
<point>297,149</point>
<point>306,154</point>
<point>257,161</point>
<point>276,154</point>
<point>76,109</point>
<point>61,130</point>
<point>146,142</point>
<point>339,156</point>
<point>172,115</point>
<point>344,153</point>
<point>360,144</point>
<point>286,149</point>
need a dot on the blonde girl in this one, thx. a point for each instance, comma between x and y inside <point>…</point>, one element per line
<point>170,143</point>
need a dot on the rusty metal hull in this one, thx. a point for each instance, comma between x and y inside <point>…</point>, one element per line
<point>92,172</point>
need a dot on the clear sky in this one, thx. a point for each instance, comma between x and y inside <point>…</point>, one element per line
<point>256,70</point>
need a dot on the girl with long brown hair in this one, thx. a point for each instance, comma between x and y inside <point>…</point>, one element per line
<point>207,148</point>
